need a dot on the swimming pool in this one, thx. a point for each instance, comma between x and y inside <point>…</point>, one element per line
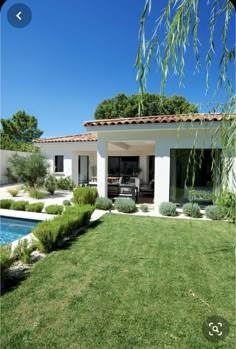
<point>12,229</point>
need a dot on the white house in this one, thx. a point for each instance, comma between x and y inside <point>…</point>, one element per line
<point>155,148</point>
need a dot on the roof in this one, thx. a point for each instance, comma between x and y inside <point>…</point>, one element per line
<point>158,119</point>
<point>88,137</point>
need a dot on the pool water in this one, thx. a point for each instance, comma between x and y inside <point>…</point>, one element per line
<point>15,228</point>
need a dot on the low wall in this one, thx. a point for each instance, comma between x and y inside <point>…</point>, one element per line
<point>4,156</point>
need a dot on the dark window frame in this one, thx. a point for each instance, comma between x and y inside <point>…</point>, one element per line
<point>59,166</point>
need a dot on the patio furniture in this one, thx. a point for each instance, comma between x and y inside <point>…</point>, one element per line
<point>128,191</point>
<point>147,189</point>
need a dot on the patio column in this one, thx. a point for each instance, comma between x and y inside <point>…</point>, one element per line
<point>102,168</point>
<point>162,173</point>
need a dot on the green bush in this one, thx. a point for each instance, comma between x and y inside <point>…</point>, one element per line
<point>85,195</point>
<point>191,210</point>
<point>14,191</point>
<point>215,212</point>
<point>65,183</point>
<point>50,184</point>
<point>31,169</point>
<point>103,203</point>
<point>86,210</point>
<point>6,260</point>
<point>19,205</point>
<point>227,200</point>
<point>54,209</point>
<point>143,208</point>
<point>48,233</point>
<point>22,251</point>
<point>51,233</point>
<point>35,207</point>
<point>125,205</point>
<point>6,203</point>
<point>36,194</point>
<point>167,209</point>
<point>66,203</point>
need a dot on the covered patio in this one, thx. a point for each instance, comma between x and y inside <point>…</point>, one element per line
<point>158,137</point>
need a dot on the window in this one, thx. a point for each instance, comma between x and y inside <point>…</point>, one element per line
<point>59,163</point>
<point>122,165</point>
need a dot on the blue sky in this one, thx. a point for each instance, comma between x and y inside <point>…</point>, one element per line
<point>76,53</point>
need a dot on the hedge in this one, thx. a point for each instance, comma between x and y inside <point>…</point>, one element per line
<point>51,233</point>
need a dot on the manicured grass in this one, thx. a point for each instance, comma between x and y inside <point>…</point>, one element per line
<point>127,283</point>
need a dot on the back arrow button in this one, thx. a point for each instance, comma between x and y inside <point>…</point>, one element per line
<point>18,15</point>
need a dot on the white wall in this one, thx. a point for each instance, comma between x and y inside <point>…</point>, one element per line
<point>4,156</point>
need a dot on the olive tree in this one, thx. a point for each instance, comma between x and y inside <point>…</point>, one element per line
<point>30,170</point>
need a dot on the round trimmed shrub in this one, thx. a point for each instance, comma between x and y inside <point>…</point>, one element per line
<point>19,205</point>
<point>35,207</point>
<point>54,209</point>
<point>125,205</point>
<point>103,203</point>
<point>6,203</point>
<point>191,210</point>
<point>66,203</point>
<point>215,213</point>
<point>144,208</point>
<point>167,209</point>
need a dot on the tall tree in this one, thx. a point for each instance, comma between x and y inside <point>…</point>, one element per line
<point>21,128</point>
<point>179,20</point>
<point>122,106</point>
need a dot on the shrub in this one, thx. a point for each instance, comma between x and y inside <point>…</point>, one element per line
<point>167,209</point>
<point>48,233</point>
<point>66,203</point>
<point>50,184</point>
<point>54,209</point>
<point>6,260</point>
<point>227,200</point>
<point>191,210</point>
<point>22,251</point>
<point>51,233</point>
<point>36,194</point>
<point>31,169</point>
<point>6,203</point>
<point>35,207</point>
<point>144,208</point>
<point>19,205</point>
<point>215,212</point>
<point>125,205</point>
<point>87,211</point>
<point>14,191</point>
<point>103,203</point>
<point>85,195</point>
<point>65,183</point>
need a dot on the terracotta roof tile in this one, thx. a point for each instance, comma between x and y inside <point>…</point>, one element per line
<point>157,119</point>
<point>88,137</point>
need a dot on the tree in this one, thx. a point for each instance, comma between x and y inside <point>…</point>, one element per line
<point>180,21</point>
<point>19,130</point>
<point>122,106</point>
<point>31,170</point>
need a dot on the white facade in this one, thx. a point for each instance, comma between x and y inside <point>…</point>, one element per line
<point>141,140</point>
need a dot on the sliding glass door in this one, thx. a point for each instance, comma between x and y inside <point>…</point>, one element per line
<point>195,170</point>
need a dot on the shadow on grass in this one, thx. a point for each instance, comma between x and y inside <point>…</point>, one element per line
<point>224,248</point>
<point>10,283</point>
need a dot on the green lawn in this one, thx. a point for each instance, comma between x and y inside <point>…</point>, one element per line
<point>127,283</point>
